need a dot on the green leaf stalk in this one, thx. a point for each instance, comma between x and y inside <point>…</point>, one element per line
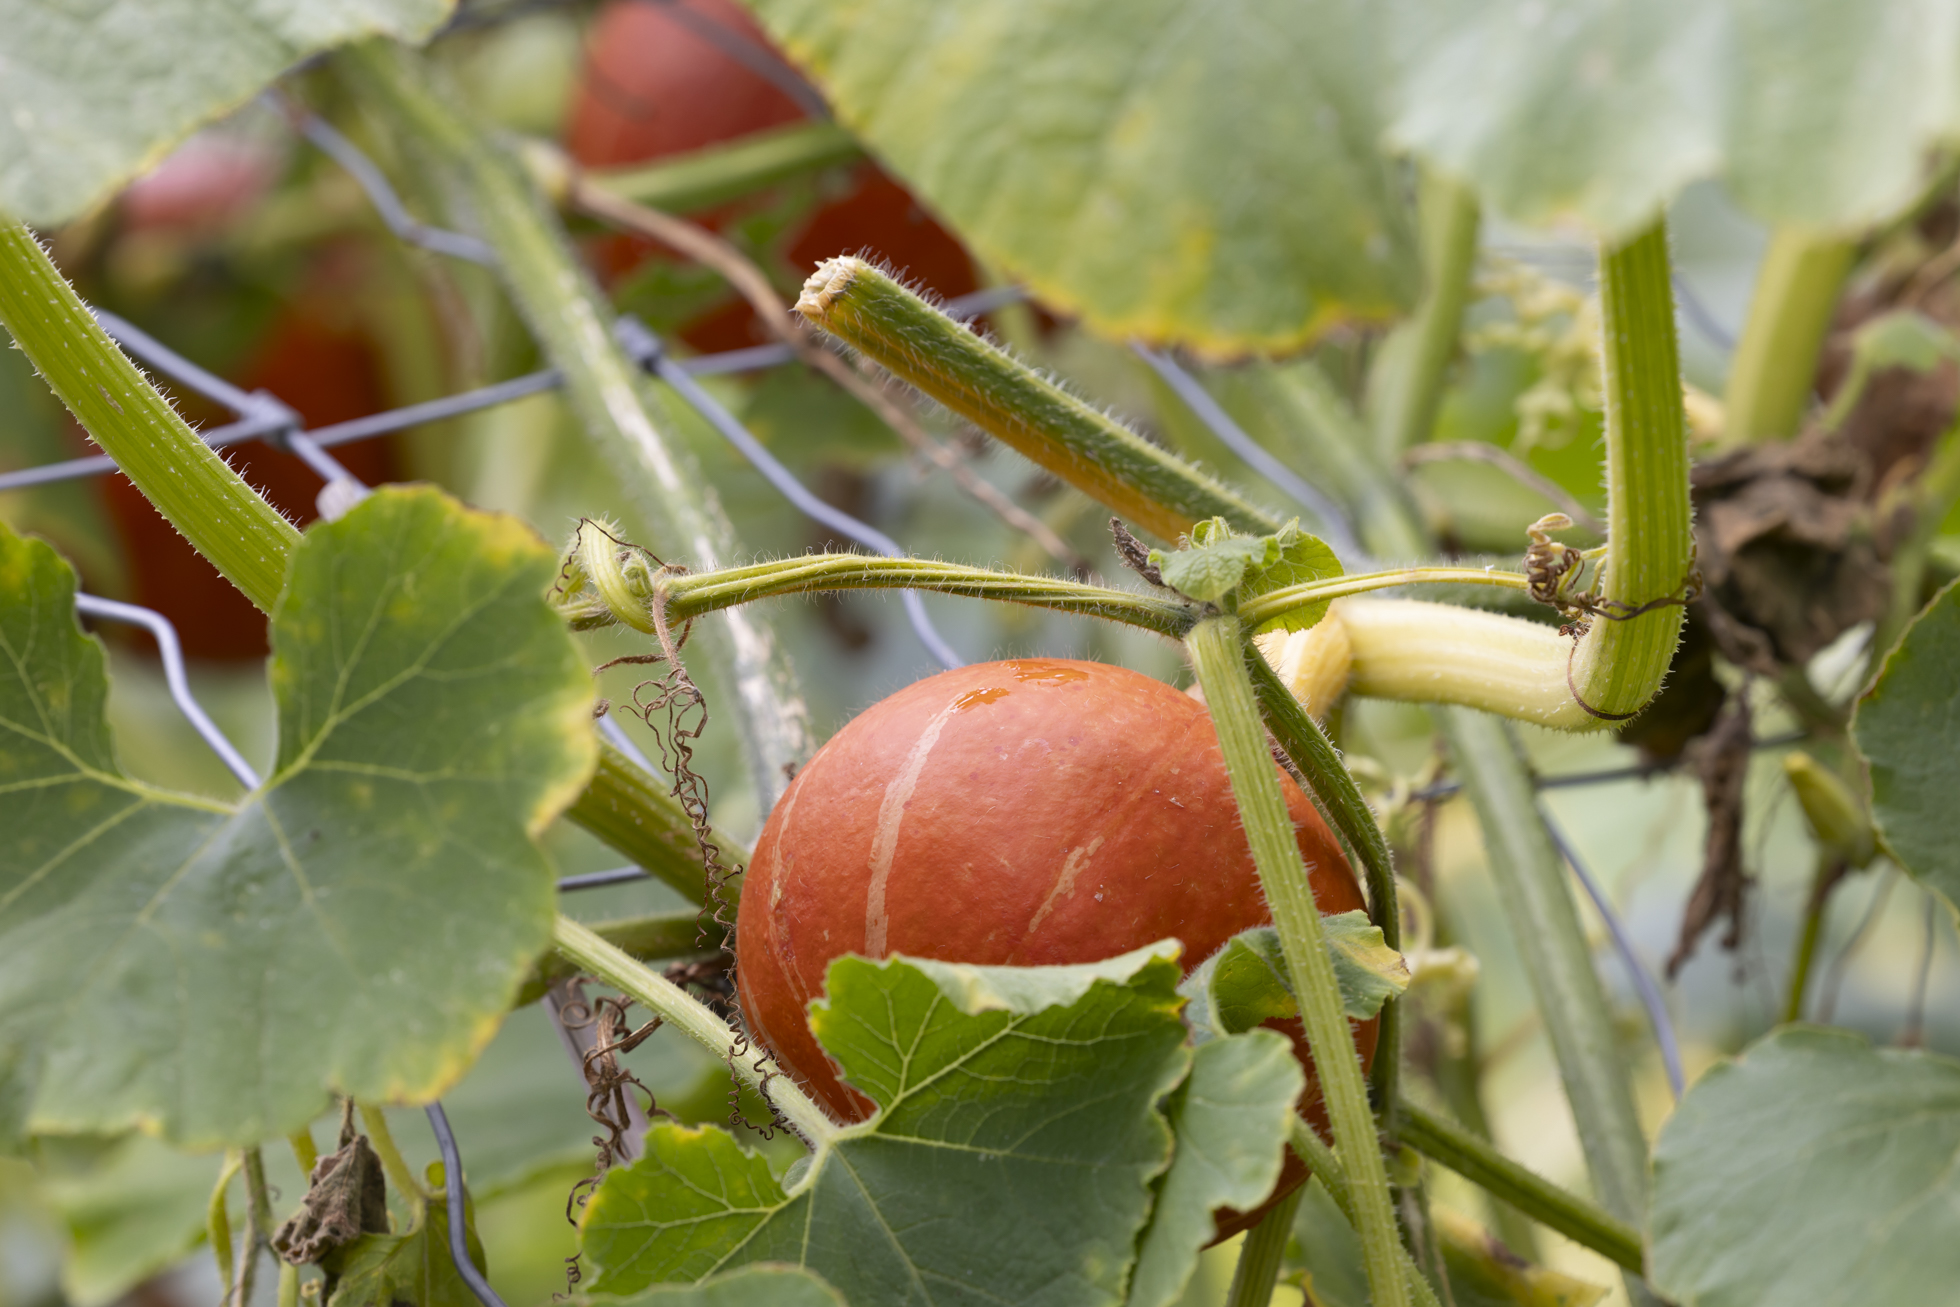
<point>1774,371</point>
<point>895,328</point>
<point>1217,652</point>
<point>595,956</point>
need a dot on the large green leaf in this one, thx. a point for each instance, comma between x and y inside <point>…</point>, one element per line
<point>358,924</point>
<point>1173,169</point>
<point>93,94</point>
<point>1231,1118</point>
<point>1823,113</point>
<point>1814,1171</point>
<point>1908,727</point>
<point>1010,1159</point>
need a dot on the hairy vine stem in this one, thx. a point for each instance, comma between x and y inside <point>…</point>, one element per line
<point>594,956</point>
<point>227,521</point>
<point>1557,1209</point>
<point>694,594</point>
<point>1649,566</point>
<point>875,315</point>
<point>1327,1168</point>
<point>1307,747</point>
<point>1406,387</point>
<point>1217,652</point>
<point>1531,879</point>
<point>1262,1254</point>
<point>1507,665</point>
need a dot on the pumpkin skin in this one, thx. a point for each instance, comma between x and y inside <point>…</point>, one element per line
<point>1031,812</point>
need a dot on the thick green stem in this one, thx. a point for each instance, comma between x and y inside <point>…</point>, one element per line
<point>921,346</point>
<point>1501,664</point>
<point>1433,653</point>
<point>636,813</point>
<point>1545,930</point>
<point>1407,386</point>
<point>1830,870</point>
<point>656,937</point>
<point>1327,1169</point>
<point>1774,372</point>
<point>1319,763</point>
<point>1619,665</point>
<point>573,323</point>
<point>1262,1253</point>
<point>596,957</point>
<point>1557,1209</point>
<point>1218,655</point>
<point>223,518</point>
<point>704,178</point>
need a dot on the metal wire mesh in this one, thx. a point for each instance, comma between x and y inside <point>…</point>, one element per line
<point>261,416</point>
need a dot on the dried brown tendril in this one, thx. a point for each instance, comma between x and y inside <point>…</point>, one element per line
<point>606,1081</point>
<point>1552,571</point>
<point>673,708</point>
<point>607,1085</point>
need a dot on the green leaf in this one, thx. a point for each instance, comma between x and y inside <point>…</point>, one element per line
<point>765,1284</point>
<point>1822,115</point>
<point>360,923</point>
<point>1908,728</point>
<point>1302,558</point>
<point>1010,1159</point>
<point>416,1268</point>
<point>92,95</point>
<point>1812,1170</point>
<point>1199,172</point>
<point>1245,983</point>
<point>1216,561</point>
<point>1231,1119</point>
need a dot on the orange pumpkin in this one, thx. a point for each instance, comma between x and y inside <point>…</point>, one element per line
<point>1031,812</point>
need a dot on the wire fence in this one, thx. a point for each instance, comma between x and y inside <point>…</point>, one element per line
<point>262,416</point>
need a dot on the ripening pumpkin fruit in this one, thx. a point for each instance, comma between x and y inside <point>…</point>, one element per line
<point>1032,812</point>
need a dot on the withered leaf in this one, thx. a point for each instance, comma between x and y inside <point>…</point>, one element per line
<point>346,1197</point>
